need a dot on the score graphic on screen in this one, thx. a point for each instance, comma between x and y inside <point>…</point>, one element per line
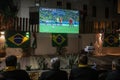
<point>58,20</point>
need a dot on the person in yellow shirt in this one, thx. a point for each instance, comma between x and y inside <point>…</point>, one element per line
<point>11,72</point>
<point>83,71</point>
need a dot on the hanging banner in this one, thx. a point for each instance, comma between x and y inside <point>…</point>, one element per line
<point>59,40</point>
<point>111,40</point>
<point>17,39</point>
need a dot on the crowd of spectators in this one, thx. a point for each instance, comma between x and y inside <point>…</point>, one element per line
<point>83,71</point>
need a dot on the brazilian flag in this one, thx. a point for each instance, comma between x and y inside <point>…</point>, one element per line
<point>111,40</point>
<point>17,39</point>
<point>59,40</point>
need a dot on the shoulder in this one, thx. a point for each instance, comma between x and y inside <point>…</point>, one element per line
<point>75,69</point>
<point>46,72</point>
<point>63,71</point>
<point>2,77</point>
<point>17,74</point>
<point>87,69</point>
<point>22,71</point>
<point>113,75</point>
<point>92,70</point>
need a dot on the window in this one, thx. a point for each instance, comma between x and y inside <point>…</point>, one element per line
<point>68,5</point>
<point>59,3</point>
<point>94,11</point>
<point>106,12</point>
<point>45,1</point>
<point>85,9</point>
<point>34,18</point>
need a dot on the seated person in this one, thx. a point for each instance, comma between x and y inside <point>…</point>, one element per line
<point>55,73</point>
<point>115,73</point>
<point>11,73</point>
<point>83,71</point>
<point>2,77</point>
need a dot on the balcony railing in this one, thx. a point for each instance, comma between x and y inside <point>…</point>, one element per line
<point>22,24</point>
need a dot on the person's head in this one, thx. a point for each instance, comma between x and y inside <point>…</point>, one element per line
<point>116,64</point>
<point>83,59</point>
<point>55,63</point>
<point>11,60</point>
<point>2,77</point>
<point>113,65</point>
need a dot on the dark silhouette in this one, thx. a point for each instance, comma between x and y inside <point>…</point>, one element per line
<point>83,71</point>
<point>55,73</point>
<point>115,73</point>
<point>2,78</point>
<point>11,73</point>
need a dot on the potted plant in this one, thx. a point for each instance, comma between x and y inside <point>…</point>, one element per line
<point>28,68</point>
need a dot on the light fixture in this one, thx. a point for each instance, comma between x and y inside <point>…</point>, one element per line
<point>2,33</point>
<point>37,3</point>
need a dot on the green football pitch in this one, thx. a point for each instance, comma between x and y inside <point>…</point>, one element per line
<point>58,29</point>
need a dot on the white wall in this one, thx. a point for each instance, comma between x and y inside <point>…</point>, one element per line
<point>44,45</point>
<point>75,44</point>
<point>24,8</point>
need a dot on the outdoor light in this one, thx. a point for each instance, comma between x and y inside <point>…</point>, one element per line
<point>37,3</point>
<point>2,34</point>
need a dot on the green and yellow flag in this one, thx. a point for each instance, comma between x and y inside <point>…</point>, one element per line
<point>111,40</point>
<point>59,40</point>
<point>17,39</point>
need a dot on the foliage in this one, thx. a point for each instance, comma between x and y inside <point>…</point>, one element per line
<point>8,11</point>
<point>61,50</point>
<point>42,63</point>
<point>72,60</point>
<point>28,68</point>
